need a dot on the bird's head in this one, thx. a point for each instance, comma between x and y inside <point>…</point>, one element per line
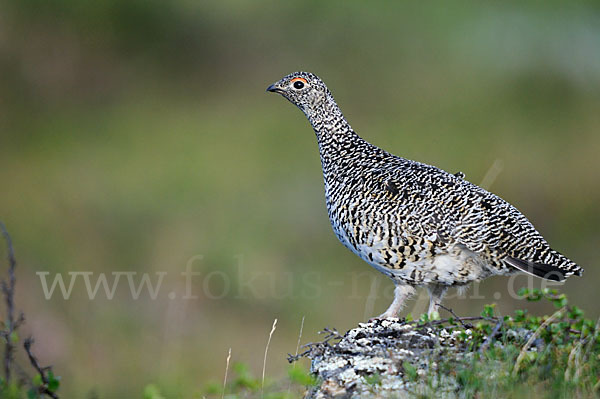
<point>303,89</point>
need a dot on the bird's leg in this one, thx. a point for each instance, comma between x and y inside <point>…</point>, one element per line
<point>401,294</point>
<point>436,293</point>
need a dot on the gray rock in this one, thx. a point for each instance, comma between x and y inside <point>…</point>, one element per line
<point>388,358</point>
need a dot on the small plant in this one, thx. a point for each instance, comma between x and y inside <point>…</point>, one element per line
<point>373,379</point>
<point>302,377</point>
<point>557,355</point>
<point>410,371</point>
<point>244,380</point>
<point>44,383</point>
<point>151,391</point>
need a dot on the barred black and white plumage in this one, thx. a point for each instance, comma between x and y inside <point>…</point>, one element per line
<point>418,224</point>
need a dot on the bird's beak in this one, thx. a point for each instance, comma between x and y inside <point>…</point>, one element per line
<point>273,88</point>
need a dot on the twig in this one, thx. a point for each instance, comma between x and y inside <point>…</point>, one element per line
<point>9,295</point>
<point>460,320</point>
<point>262,385</point>
<point>453,314</point>
<point>41,370</point>
<point>293,358</point>
<point>490,337</point>
<point>534,336</point>
<point>331,334</point>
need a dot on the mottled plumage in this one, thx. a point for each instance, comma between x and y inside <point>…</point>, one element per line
<point>418,224</point>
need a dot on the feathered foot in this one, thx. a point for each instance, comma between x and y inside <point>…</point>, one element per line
<point>401,294</point>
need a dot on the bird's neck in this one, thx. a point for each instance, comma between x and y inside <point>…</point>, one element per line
<point>327,120</point>
<point>339,145</point>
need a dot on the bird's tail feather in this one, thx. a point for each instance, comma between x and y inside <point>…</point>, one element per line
<point>548,272</point>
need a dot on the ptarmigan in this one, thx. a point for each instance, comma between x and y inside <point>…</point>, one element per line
<point>415,223</point>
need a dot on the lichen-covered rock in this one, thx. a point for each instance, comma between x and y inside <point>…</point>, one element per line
<point>385,359</point>
<point>467,357</point>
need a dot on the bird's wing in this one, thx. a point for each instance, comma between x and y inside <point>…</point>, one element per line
<point>459,211</point>
<point>419,194</point>
<point>493,225</point>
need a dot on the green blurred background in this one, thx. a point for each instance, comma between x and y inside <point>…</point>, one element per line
<point>136,135</point>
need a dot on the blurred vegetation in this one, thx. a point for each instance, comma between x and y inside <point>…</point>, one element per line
<point>135,135</point>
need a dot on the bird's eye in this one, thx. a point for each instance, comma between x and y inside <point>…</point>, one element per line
<point>298,83</point>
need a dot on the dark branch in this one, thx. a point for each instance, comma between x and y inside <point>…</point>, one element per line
<point>11,325</point>
<point>453,314</point>
<point>9,294</point>
<point>490,337</point>
<point>42,371</point>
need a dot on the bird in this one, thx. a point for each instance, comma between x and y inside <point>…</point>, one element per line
<point>417,224</point>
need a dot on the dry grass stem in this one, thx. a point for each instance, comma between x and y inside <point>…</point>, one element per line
<point>534,336</point>
<point>226,370</point>
<point>262,385</point>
